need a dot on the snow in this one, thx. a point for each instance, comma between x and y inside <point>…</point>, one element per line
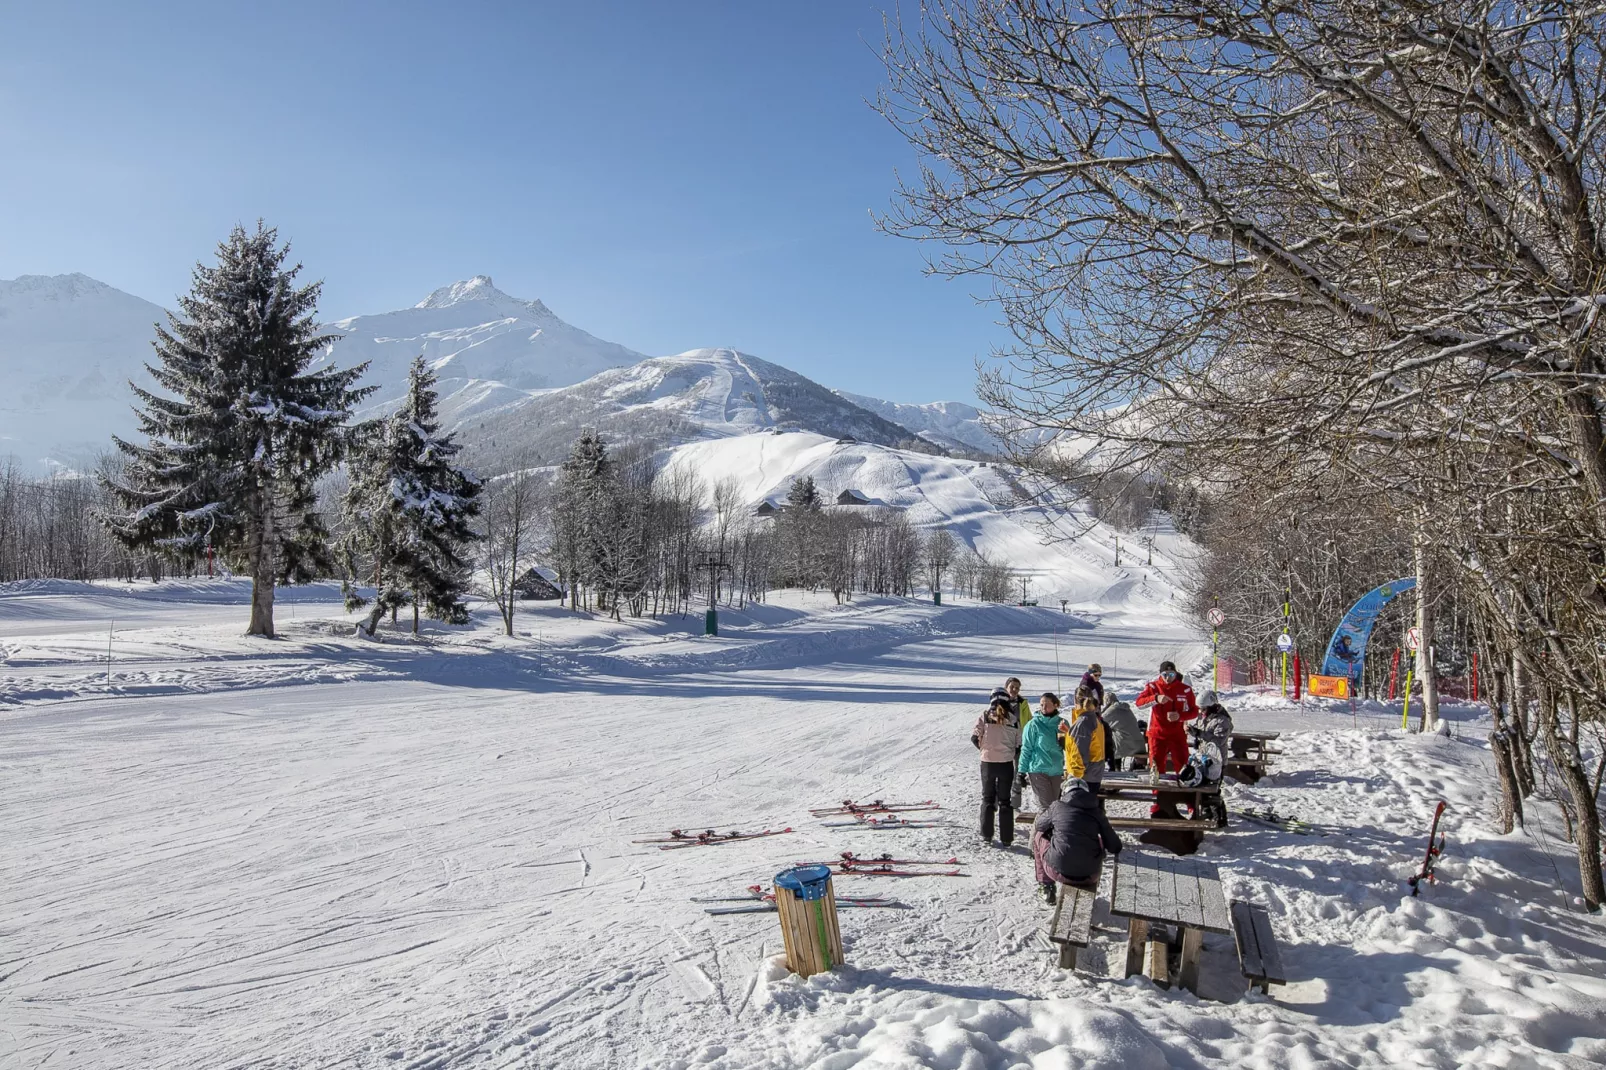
<point>1066,552</point>
<point>953,425</point>
<point>486,346</point>
<point>424,858</point>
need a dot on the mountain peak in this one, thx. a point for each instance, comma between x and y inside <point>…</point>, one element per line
<point>55,286</point>
<point>479,288</point>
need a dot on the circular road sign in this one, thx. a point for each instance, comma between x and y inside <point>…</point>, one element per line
<point>1216,618</point>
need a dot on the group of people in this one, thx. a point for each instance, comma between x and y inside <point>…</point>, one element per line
<point>1063,760</point>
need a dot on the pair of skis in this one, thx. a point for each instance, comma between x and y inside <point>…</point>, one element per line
<point>876,806</point>
<point>884,823</point>
<point>758,901</point>
<point>1271,818</point>
<point>678,838</point>
<point>851,865</point>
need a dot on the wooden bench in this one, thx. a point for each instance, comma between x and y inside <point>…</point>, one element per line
<point>1257,947</point>
<point>1189,824</point>
<point>1071,928</point>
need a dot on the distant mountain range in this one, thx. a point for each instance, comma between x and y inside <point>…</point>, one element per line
<point>515,380</point>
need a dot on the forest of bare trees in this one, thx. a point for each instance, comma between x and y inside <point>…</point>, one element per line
<point>1337,266</point>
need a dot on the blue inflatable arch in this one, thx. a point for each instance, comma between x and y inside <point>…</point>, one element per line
<point>1346,651</point>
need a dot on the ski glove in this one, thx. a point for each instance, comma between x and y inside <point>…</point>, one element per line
<point>975,741</point>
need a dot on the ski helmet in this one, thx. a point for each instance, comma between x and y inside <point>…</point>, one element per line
<point>1209,698</point>
<point>1192,774</point>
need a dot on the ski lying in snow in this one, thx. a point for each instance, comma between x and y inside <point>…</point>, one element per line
<point>1275,820</point>
<point>848,858</point>
<point>869,821</point>
<point>708,838</point>
<point>1432,857</point>
<point>757,894</point>
<point>876,807</point>
<point>845,904</point>
<point>893,871</point>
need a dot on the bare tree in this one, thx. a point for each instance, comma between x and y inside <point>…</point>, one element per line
<point>515,513</point>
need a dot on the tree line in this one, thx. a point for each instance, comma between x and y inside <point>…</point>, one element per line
<point>1335,267</point>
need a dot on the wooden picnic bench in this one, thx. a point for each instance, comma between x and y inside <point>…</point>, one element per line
<point>1251,756</point>
<point>1261,960</point>
<point>1072,925</point>
<point>1154,890</point>
<point>1167,827</point>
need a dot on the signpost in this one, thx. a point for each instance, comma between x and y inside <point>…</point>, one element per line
<point>1413,642</point>
<point>1288,605</point>
<point>1216,618</point>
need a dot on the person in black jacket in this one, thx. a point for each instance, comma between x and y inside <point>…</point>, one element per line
<point>1070,840</point>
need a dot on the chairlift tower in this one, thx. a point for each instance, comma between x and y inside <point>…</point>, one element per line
<point>716,564</point>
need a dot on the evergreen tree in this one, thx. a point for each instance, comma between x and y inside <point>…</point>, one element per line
<point>587,504</point>
<point>803,494</point>
<point>409,508</point>
<point>231,460</point>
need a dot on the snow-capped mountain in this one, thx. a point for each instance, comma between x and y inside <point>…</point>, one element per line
<point>68,346</point>
<point>703,393</point>
<point>953,425</point>
<point>486,347</point>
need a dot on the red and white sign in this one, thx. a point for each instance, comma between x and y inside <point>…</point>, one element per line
<point>1216,618</point>
<point>1413,639</point>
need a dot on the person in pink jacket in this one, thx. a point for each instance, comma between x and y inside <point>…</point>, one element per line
<point>997,736</point>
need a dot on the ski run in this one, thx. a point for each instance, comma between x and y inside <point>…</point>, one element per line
<point>326,851</point>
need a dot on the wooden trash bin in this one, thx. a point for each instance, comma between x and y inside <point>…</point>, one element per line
<point>807,906</point>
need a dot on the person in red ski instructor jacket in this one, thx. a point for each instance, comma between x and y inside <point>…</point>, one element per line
<point>1174,705</point>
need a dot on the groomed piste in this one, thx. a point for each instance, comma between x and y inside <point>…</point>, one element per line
<point>419,853</point>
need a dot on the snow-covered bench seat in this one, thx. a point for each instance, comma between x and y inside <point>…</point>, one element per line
<point>1257,948</point>
<point>1072,927</point>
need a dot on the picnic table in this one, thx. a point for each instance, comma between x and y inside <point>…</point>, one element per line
<point>1251,755</point>
<point>1154,890</point>
<point>1166,827</point>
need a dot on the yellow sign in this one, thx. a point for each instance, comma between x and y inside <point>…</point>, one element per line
<point>1329,686</point>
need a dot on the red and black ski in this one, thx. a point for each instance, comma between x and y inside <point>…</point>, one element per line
<point>848,806</point>
<point>849,860</point>
<point>1435,849</point>
<point>708,838</point>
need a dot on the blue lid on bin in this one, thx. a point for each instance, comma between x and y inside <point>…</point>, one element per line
<point>805,882</point>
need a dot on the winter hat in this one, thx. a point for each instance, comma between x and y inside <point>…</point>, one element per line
<point>1074,784</point>
<point>1209,698</point>
<point>1094,668</point>
<point>998,695</point>
<point>1168,666</point>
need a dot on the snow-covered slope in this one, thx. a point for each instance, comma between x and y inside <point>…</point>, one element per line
<point>68,346</point>
<point>953,425</point>
<point>974,500</point>
<point>487,348</point>
<point>671,400</point>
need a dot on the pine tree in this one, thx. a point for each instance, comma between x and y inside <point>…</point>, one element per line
<point>587,504</point>
<point>803,494</point>
<point>409,508</point>
<point>231,460</point>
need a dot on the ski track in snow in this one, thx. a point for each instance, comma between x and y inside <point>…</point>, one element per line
<point>431,866</point>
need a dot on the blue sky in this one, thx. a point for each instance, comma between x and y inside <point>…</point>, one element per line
<point>664,175</point>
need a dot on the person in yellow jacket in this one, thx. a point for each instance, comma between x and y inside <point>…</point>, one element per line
<point>1085,739</point>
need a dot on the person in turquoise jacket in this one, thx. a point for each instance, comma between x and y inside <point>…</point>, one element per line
<point>1042,756</point>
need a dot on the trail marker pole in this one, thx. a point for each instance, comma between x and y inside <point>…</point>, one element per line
<point>109,632</point>
<point>1216,618</point>
<point>1058,687</point>
<point>1413,639</point>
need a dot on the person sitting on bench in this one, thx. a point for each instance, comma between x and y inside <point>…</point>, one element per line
<point>1070,840</point>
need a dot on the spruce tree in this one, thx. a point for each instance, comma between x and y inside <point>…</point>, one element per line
<point>409,510</point>
<point>232,458</point>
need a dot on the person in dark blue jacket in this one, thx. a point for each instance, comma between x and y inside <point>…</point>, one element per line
<point>1093,683</point>
<point>1070,840</point>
